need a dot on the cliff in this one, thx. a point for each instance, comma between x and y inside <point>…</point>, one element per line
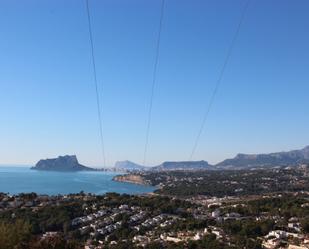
<point>131,178</point>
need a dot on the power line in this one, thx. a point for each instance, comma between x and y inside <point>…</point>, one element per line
<point>154,78</point>
<point>96,84</point>
<point>219,80</point>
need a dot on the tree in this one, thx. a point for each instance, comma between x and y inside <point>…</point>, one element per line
<point>305,224</point>
<point>13,235</point>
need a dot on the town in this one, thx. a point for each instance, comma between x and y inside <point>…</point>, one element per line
<point>274,218</point>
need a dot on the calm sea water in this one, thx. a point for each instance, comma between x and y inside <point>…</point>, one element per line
<point>16,180</point>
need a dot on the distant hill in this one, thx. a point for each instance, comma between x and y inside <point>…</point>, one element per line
<point>128,165</point>
<point>289,158</point>
<point>184,165</point>
<point>62,163</point>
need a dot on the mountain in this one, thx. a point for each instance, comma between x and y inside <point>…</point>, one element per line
<point>62,163</point>
<point>289,158</point>
<point>165,166</point>
<point>128,165</point>
<point>184,165</point>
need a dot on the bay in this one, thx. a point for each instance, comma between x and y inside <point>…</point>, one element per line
<point>15,180</point>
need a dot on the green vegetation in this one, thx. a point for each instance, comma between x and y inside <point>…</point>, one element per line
<point>14,234</point>
<point>228,182</point>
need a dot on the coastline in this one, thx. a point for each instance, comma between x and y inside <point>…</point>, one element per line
<point>131,178</point>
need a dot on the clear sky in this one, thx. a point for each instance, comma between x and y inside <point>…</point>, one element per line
<point>47,95</point>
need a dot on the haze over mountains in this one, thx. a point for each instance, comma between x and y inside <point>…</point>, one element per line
<point>128,165</point>
<point>185,165</point>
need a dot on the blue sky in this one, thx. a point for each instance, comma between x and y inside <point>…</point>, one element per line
<point>47,96</point>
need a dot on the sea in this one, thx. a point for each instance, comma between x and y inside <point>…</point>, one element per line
<point>15,180</point>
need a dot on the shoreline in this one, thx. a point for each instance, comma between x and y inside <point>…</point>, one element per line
<point>131,178</point>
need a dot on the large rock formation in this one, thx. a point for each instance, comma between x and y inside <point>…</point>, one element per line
<point>62,163</point>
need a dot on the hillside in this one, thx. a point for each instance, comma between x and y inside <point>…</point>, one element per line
<point>289,158</point>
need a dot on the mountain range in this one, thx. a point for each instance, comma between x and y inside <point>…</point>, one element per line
<point>290,158</point>
<point>240,161</point>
